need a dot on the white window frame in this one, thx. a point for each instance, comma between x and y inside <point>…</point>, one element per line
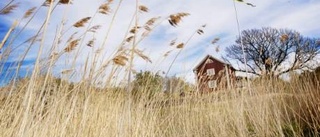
<point>212,84</point>
<point>211,72</point>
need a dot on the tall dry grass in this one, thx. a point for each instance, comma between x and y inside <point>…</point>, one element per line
<point>65,109</point>
<point>43,105</point>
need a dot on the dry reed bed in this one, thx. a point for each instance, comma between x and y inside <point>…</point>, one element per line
<point>81,110</point>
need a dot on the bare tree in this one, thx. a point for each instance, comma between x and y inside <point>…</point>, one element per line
<point>271,51</point>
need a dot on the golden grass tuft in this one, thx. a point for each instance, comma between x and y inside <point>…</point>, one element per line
<point>135,29</point>
<point>143,8</point>
<point>120,60</point>
<point>47,3</point>
<point>29,12</point>
<point>175,19</point>
<point>73,44</point>
<point>105,7</point>
<point>9,9</point>
<point>180,45</point>
<point>65,1</point>
<point>81,22</point>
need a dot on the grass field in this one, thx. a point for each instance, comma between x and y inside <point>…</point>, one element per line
<point>43,104</point>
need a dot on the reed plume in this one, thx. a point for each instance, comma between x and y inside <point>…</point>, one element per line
<point>9,9</point>
<point>120,60</point>
<point>29,12</point>
<point>144,57</point>
<point>91,42</point>
<point>73,44</point>
<point>81,22</point>
<point>94,28</point>
<point>47,3</point>
<point>65,2</point>
<point>105,8</point>
<point>175,19</point>
<point>143,8</point>
<point>180,46</point>
<point>173,42</point>
<point>215,40</point>
<point>129,39</point>
<point>135,29</point>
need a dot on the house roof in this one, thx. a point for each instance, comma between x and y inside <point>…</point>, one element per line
<point>211,57</point>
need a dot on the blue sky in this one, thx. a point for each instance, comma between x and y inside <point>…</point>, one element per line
<point>300,15</point>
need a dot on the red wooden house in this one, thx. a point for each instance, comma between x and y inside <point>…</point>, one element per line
<point>213,74</point>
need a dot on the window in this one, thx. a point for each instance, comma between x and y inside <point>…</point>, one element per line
<point>211,72</point>
<point>212,84</point>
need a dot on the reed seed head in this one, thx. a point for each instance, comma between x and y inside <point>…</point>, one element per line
<point>65,2</point>
<point>143,8</point>
<point>9,9</point>
<point>105,8</point>
<point>129,39</point>
<point>94,28</point>
<point>215,40</point>
<point>81,22</point>
<point>29,12</point>
<point>180,46</point>
<point>175,19</point>
<point>120,60</point>
<point>73,44</point>
<point>91,42</point>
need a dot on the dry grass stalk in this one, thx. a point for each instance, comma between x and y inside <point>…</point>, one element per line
<point>120,60</point>
<point>81,22</point>
<point>9,9</point>
<point>29,12</point>
<point>73,44</point>
<point>68,71</point>
<point>144,57</point>
<point>175,19</point>
<point>8,34</point>
<point>180,46</point>
<point>143,8</point>
<point>33,38</point>
<point>72,37</point>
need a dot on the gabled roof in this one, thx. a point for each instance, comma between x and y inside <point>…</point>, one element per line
<point>210,57</point>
